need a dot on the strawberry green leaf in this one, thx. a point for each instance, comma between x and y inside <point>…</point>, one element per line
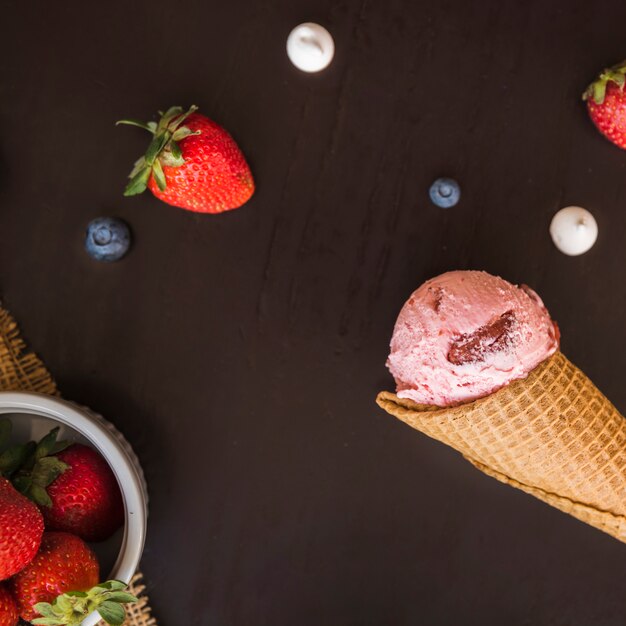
<point>121,596</point>
<point>63,604</point>
<point>71,608</point>
<point>59,446</point>
<point>137,123</point>
<point>163,147</point>
<point>183,132</point>
<point>44,608</point>
<point>168,116</point>
<point>181,118</point>
<point>38,495</point>
<point>159,176</point>
<point>112,613</point>
<point>172,156</point>
<point>155,147</point>
<point>15,457</point>
<point>47,470</point>
<point>47,621</point>
<point>114,585</point>
<point>138,182</point>
<point>22,483</point>
<point>175,150</point>
<point>140,165</point>
<point>47,444</point>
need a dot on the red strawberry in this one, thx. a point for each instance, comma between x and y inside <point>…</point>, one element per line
<point>86,498</point>
<point>21,527</point>
<point>606,104</point>
<point>8,609</point>
<point>192,163</point>
<point>64,563</point>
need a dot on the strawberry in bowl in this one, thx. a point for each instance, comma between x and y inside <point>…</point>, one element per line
<point>74,487</point>
<point>88,487</point>
<point>21,528</point>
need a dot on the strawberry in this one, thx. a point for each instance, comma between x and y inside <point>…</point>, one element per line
<point>606,104</point>
<point>85,499</point>
<point>21,528</point>
<point>73,485</point>
<point>64,563</point>
<point>8,609</point>
<point>192,163</point>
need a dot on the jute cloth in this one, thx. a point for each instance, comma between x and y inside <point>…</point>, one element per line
<point>23,371</point>
<point>553,435</point>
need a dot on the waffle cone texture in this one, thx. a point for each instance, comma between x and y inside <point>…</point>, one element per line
<point>552,434</point>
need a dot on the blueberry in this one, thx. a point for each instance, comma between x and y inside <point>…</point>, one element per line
<point>445,192</point>
<point>108,239</point>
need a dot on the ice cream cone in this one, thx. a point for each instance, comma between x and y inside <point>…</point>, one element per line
<point>552,434</point>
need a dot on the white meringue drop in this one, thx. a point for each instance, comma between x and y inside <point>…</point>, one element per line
<point>310,47</point>
<point>574,230</point>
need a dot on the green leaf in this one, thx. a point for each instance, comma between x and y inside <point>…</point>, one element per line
<point>138,183</point>
<point>175,151</point>
<point>152,126</point>
<point>168,116</point>
<point>599,90</point>
<point>159,176</point>
<point>114,585</point>
<point>140,164</point>
<point>48,621</point>
<point>138,124</point>
<point>5,431</point>
<point>63,604</point>
<point>172,156</point>
<point>47,470</point>
<point>112,613</point>
<point>122,597</point>
<point>44,608</point>
<point>38,495</point>
<point>156,146</point>
<point>46,444</point>
<point>59,446</point>
<point>15,457</point>
<point>183,132</point>
<point>176,124</point>
<point>22,483</point>
<point>76,594</point>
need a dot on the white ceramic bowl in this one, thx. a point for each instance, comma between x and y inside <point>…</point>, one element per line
<point>33,415</point>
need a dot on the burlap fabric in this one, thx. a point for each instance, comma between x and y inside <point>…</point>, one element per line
<point>22,371</point>
<point>553,435</point>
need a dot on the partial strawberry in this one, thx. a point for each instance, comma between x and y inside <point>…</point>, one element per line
<point>21,528</point>
<point>192,163</point>
<point>606,103</point>
<point>8,609</point>
<point>85,499</point>
<point>64,563</point>
<point>71,608</point>
<point>74,487</point>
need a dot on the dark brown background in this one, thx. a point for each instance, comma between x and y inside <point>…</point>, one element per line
<point>241,353</point>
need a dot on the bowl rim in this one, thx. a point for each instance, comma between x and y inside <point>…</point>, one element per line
<point>117,452</point>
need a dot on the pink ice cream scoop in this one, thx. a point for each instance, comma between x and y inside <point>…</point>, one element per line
<point>465,334</point>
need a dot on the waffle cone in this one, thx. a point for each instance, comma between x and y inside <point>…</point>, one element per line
<point>553,435</point>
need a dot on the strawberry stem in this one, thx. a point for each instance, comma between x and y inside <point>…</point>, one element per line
<point>596,91</point>
<point>163,149</point>
<point>71,608</point>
